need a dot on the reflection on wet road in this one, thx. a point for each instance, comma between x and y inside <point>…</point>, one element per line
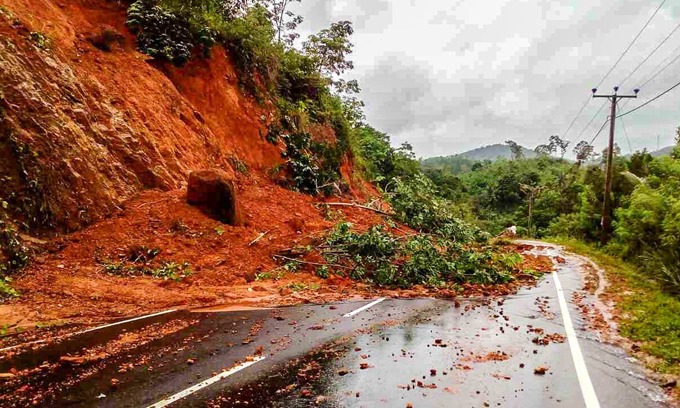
<point>513,352</point>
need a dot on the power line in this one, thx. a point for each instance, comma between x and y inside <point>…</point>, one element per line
<point>657,73</point>
<point>661,70</point>
<point>650,54</point>
<point>631,44</point>
<point>564,135</point>
<point>599,131</point>
<point>625,132</point>
<point>651,100</point>
<point>591,120</point>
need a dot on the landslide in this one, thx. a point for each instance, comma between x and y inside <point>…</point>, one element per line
<point>96,146</point>
<point>85,130</point>
<point>90,135</point>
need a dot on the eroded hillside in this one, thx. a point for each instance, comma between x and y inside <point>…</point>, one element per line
<point>86,129</point>
<point>98,141</point>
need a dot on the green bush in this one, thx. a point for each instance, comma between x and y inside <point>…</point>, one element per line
<point>415,202</point>
<point>166,35</point>
<point>379,257</point>
<point>381,162</point>
<point>13,254</point>
<point>250,41</point>
<point>166,270</point>
<point>313,166</point>
<point>647,227</point>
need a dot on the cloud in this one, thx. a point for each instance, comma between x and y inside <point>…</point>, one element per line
<point>394,91</point>
<point>450,76</point>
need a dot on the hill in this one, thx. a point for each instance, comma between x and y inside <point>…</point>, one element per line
<point>493,152</point>
<point>666,151</point>
<point>462,162</point>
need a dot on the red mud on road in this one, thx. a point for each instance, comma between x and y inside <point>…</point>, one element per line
<point>69,282</point>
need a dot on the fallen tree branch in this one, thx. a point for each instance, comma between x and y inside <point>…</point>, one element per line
<point>310,263</point>
<point>259,237</point>
<point>360,206</point>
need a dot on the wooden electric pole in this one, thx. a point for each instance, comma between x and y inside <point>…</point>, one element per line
<point>606,222</point>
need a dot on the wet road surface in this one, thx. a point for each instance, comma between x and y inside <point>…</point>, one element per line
<point>373,353</point>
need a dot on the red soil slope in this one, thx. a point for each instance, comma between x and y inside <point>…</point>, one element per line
<point>106,140</point>
<point>109,139</point>
<point>102,126</point>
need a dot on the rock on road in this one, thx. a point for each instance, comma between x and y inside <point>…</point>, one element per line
<point>533,349</point>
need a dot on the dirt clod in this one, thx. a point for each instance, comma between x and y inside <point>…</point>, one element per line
<point>540,370</point>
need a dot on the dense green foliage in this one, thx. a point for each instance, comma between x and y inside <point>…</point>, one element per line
<point>381,162</point>
<point>380,257</point>
<point>165,34</point>
<point>547,196</point>
<point>649,315</point>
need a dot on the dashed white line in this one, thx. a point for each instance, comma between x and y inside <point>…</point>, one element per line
<point>589,396</point>
<point>90,330</point>
<point>185,393</point>
<point>125,321</point>
<point>361,309</point>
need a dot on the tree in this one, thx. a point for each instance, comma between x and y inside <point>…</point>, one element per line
<point>530,192</point>
<point>284,21</point>
<point>639,163</point>
<point>543,150</point>
<point>515,150</point>
<point>676,151</point>
<point>616,152</point>
<point>330,48</point>
<point>583,151</point>
<point>557,143</point>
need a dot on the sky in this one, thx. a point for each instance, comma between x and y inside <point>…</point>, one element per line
<point>452,75</point>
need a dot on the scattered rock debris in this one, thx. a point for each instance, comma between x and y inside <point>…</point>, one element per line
<point>540,370</point>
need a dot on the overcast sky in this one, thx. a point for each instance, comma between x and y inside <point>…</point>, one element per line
<point>451,75</point>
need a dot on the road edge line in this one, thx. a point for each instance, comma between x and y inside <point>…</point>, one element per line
<point>364,307</point>
<point>89,330</point>
<point>134,319</point>
<point>197,387</point>
<point>587,390</point>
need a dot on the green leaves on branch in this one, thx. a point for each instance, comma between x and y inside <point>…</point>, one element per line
<point>13,254</point>
<point>377,256</point>
<point>165,35</point>
<point>416,203</point>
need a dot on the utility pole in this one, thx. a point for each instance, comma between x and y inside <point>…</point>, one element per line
<point>606,222</point>
<point>531,192</point>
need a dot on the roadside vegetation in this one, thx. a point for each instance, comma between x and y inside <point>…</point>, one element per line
<point>648,315</point>
<point>549,196</point>
<point>143,261</point>
<point>302,80</point>
<point>554,199</point>
<point>378,256</point>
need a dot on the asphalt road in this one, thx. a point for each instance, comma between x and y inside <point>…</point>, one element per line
<point>377,353</point>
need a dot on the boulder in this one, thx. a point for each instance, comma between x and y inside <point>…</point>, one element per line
<point>214,192</point>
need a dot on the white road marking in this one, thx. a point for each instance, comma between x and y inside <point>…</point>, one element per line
<point>361,309</point>
<point>185,393</point>
<point>589,396</point>
<point>90,330</point>
<point>21,345</point>
<point>125,321</point>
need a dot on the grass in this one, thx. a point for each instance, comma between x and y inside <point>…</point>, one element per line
<point>6,290</point>
<point>648,315</point>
